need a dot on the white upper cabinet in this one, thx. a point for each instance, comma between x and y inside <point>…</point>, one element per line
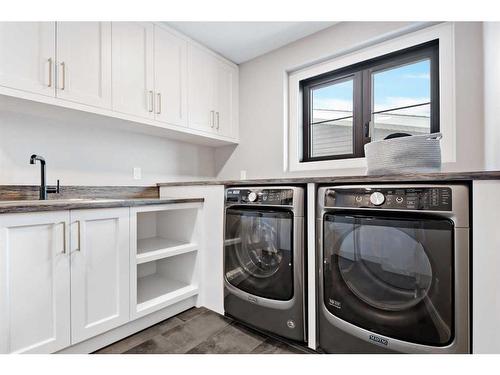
<point>99,271</point>
<point>34,282</point>
<point>27,56</point>
<point>133,88</point>
<point>201,71</point>
<point>136,71</point>
<point>225,106</point>
<point>170,65</point>
<point>212,92</point>
<point>84,62</point>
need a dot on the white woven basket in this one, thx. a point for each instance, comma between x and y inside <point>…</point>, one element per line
<point>418,153</point>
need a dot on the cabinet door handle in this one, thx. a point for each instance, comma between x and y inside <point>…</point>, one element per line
<point>79,232</point>
<point>63,79</point>
<point>158,109</point>
<point>212,120</point>
<point>50,72</point>
<point>79,235</point>
<point>64,236</point>
<point>217,113</point>
<point>151,103</point>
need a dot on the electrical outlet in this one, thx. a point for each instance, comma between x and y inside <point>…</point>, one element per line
<point>137,173</point>
<point>243,174</point>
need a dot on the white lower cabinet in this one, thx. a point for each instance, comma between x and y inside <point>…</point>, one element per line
<point>34,282</point>
<point>64,277</point>
<point>69,276</point>
<point>99,271</point>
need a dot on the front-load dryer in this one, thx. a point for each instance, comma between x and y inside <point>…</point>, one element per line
<point>264,259</point>
<point>393,269</point>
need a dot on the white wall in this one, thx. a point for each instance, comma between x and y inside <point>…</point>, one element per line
<point>263,97</point>
<point>491,31</point>
<point>81,151</point>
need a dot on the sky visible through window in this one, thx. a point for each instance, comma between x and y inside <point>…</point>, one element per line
<point>397,87</point>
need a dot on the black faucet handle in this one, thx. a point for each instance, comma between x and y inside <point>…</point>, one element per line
<point>54,189</point>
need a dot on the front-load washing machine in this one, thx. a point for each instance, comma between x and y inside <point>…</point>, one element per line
<point>393,269</point>
<point>264,259</point>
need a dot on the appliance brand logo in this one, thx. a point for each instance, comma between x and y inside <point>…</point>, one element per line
<point>334,303</point>
<point>379,340</point>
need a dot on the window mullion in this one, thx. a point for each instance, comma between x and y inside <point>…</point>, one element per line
<point>359,115</point>
<point>367,107</point>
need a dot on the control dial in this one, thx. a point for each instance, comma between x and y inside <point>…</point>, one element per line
<point>377,198</point>
<point>252,197</point>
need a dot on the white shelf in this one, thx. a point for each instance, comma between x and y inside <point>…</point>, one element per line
<point>159,291</point>
<point>154,248</point>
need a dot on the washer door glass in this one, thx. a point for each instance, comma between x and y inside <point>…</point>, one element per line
<point>258,252</point>
<point>391,275</point>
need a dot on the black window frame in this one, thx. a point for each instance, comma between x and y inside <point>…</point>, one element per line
<point>361,74</point>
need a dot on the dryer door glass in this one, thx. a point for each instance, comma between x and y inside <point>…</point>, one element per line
<point>258,252</point>
<point>392,276</point>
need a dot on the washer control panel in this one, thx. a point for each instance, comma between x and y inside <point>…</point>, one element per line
<point>274,197</point>
<point>418,198</point>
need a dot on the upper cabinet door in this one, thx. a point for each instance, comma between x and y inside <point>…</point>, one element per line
<point>170,64</point>
<point>224,98</point>
<point>27,56</point>
<point>34,282</point>
<point>133,68</point>
<point>100,296</point>
<point>84,62</point>
<point>201,71</point>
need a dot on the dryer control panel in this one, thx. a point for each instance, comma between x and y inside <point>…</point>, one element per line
<point>274,197</point>
<point>415,198</point>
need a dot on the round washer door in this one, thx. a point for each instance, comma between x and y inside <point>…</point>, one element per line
<point>391,275</point>
<point>258,252</point>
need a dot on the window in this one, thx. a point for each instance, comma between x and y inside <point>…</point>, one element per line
<point>349,107</point>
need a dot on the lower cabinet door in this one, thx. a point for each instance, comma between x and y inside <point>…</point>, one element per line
<point>99,271</point>
<point>34,282</point>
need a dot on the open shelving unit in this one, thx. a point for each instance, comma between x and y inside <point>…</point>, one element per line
<point>166,281</point>
<point>165,252</point>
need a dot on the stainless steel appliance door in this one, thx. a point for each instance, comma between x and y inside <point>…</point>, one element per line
<point>391,275</point>
<point>258,254</point>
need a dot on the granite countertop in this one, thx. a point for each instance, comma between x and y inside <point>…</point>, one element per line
<point>83,203</point>
<point>403,177</point>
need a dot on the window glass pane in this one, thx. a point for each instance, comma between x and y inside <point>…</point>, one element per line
<point>401,100</point>
<point>332,119</point>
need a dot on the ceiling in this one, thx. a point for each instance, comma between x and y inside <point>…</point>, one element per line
<point>243,41</point>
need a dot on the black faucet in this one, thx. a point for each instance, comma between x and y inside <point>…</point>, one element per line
<point>44,189</point>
